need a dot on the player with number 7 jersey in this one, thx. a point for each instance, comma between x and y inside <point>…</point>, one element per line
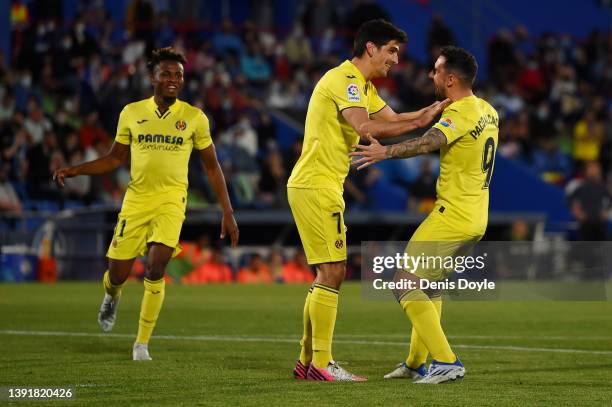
<point>344,108</point>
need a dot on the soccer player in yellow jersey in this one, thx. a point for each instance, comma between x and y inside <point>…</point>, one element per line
<point>466,136</point>
<point>343,108</point>
<point>159,134</point>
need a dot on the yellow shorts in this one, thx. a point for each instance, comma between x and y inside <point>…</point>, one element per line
<point>138,225</point>
<point>435,238</point>
<point>319,217</point>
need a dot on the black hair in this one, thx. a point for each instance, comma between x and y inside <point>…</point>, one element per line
<point>379,32</point>
<point>164,54</point>
<point>461,63</point>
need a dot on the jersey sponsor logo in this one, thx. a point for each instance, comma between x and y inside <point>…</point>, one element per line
<point>160,139</point>
<point>352,93</point>
<point>180,125</point>
<point>447,122</point>
<point>483,122</point>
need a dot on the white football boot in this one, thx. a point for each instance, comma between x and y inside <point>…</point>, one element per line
<point>440,372</point>
<point>108,313</point>
<point>140,351</point>
<point>402,371</point>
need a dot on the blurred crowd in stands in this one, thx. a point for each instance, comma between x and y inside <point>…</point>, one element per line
<point>64,85</point>
<point>201,262</point>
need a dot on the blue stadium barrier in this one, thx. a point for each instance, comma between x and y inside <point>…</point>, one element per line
<point>535,195</point>
<point>18,267</point>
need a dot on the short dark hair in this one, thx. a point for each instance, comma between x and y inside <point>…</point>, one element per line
<point>461,63</point>
<point>379,32</point>
<point>164,54</point>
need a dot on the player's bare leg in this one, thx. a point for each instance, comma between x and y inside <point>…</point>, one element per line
<point>157,259</point>
<point>331,274</point>
<point>118,272</point>
<point>322,309</point>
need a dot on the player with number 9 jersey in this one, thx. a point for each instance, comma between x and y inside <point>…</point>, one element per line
<point>471,126</point>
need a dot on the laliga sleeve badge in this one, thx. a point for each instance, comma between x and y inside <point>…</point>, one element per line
<point>447,122</point>
<point>352,93</point>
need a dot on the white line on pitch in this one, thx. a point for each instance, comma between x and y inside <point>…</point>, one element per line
<point>229,338</point>
<point>542,338</point>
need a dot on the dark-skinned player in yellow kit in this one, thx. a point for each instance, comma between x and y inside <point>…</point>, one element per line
<point>344,107</point>
<point>466,136</point>
<point>159,133</point>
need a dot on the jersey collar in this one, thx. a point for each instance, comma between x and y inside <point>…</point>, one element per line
<point>153,107</point>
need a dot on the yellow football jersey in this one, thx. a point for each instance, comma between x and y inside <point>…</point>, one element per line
<point>471,127</point>
<point>160,146</point>
<point>328,137</point>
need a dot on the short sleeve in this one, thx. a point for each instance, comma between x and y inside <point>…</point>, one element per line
<point>347,91</point>
<point>201,133</point>
<point>123,135</point>
<point>452,124</point>
<point>376,102</point>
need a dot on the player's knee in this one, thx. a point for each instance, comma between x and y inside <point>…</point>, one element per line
<point>406,282</point>
<point>118,279</point>
<point>331,274</point>
<point>155,270</point>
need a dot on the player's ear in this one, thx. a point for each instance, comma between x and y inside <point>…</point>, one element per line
<point>370,48</point>
<point>450,80</point>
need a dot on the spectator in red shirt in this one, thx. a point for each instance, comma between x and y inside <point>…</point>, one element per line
<point>214,270</point>
<point>256,271</point>
<point>92,131</point>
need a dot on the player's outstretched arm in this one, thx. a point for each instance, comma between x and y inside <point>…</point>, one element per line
<point>426,114</point>
<point>388,124</point>
<point>107,163</point>
<point>215,175</point>
<point>431,141</point>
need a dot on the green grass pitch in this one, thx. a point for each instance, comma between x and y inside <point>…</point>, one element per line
<point>230,345</point>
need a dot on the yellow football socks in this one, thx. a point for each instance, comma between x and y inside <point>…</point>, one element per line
<point>418,351</point>
<point>112,290</point>
<point>426,321</point>
<point>322,309</point>
<point>152,301</point>
<point>306,342</point>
